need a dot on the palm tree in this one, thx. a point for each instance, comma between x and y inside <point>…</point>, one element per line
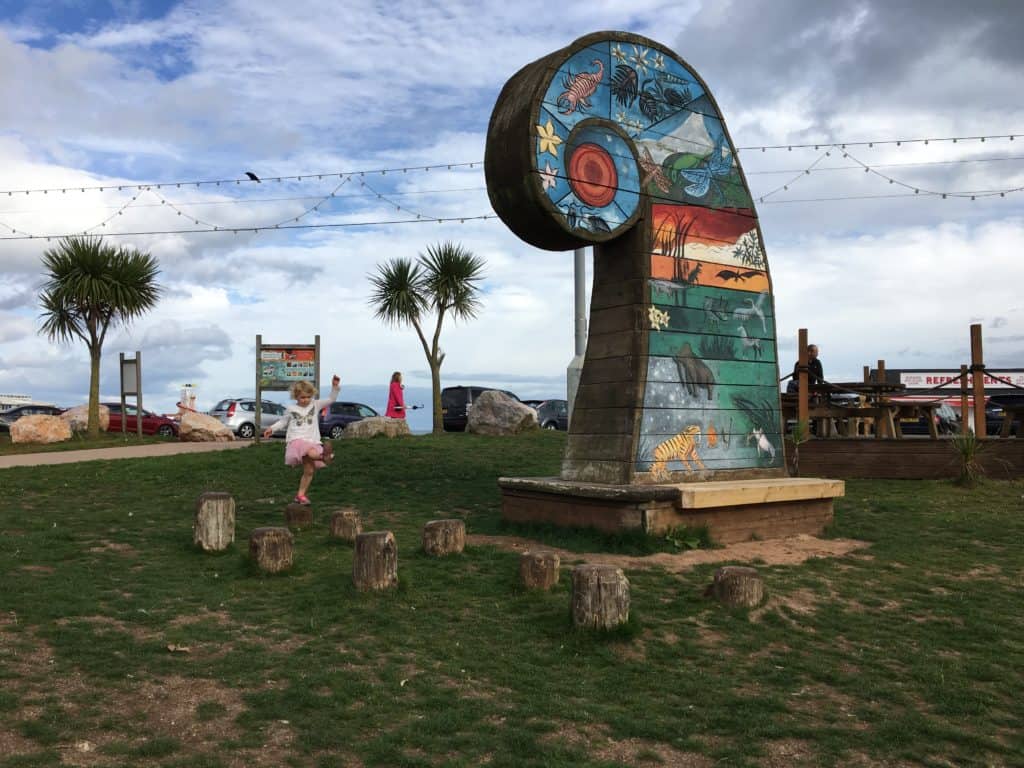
<point>444,281</point>
<point>90,285</point>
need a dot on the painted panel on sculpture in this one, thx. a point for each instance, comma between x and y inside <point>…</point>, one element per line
<point>712,373</point>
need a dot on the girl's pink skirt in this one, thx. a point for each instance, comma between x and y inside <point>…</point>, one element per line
<point>298,448</point>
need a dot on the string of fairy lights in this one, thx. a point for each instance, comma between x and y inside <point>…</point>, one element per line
<point>320,204</point>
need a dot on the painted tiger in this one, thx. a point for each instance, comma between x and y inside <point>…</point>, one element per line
<point>682,447</point>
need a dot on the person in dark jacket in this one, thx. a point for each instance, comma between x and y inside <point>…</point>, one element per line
<point>815,374</point>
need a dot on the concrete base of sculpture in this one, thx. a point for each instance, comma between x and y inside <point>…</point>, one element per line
<point>732,510</point>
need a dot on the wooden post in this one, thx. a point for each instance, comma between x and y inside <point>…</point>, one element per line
<point>214,526</point>
<point>539,570</point>
<point>259,391</point>
<point>444,537</point>
<point>867,374</point>
<point>803,396</point>
<point>375,561</point>
<point>272,549</point>
<point>600,597</point>
<point>346,525</point>
<point>965,423</point>
<point>882,426</point>
<point>978,375</point>
<point>298,517</point>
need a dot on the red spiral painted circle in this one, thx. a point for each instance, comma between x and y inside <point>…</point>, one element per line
<point>592,175</point>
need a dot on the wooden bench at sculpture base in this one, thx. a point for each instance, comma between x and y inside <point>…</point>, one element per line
<point>732,510</point>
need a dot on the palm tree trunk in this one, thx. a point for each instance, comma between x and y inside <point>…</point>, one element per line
<point>94,391</point>
<point>435,386</point>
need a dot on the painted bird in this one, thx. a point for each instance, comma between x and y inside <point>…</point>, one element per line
<point>253,176</point>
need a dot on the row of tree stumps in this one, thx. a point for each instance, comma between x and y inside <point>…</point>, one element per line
<point>600,593</point>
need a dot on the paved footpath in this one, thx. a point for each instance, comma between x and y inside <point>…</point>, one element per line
<point>106,454</point>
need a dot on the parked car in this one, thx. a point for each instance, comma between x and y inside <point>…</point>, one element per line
<point>11,415</point>
<point>553,414</point>
<point>456,402</point>
<point>994,420</point>
<point>947,421</point>
<point>335,417</point>
<point>152,423</point>
<point>239,413</point>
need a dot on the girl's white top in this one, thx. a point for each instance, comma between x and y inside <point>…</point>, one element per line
<point>303,423</point>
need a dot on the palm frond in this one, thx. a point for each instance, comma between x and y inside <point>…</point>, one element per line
<point>451,274</point>
<point>398,292</point>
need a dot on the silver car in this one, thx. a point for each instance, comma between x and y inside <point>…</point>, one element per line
<point>239,413</point>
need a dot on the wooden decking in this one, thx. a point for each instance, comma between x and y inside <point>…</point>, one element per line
<point>911,458</point>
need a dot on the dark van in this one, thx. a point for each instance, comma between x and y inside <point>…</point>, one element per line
<point>456,402</point>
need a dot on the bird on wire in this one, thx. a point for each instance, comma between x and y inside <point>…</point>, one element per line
<point>253,176</point>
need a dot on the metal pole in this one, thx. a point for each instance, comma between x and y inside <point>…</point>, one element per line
<point>124,416</point>
<point>138,392</point>
<point>259,347</point>
<point>579,270</point>
<point>316,365</point>
<point>575,368</point>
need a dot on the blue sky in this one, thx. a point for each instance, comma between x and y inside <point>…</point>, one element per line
<point>139,93</point>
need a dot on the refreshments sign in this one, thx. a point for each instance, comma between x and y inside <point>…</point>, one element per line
<point>930,379</point>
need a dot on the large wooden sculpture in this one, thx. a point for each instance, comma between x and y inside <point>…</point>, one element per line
<point>615,142</point>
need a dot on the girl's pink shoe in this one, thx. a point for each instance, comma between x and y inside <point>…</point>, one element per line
<point>300,499</point>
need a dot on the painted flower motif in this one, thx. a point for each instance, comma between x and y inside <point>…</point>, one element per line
<point>659,61</point>
<point>639,59</point>
<point>549,140</point>
<point>658,318</point>
<point>621,117</point>
<point>619,54</point>
<point>548,176</point>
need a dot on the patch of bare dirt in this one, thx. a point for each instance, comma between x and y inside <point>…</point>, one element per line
<point>784,753</point>
<point>113,546</point>
<point>594,740</point>
<point>789,551</point>
<point>37,569</point>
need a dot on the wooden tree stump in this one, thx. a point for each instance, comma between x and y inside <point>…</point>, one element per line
<point>272,549</point>
<point>600,596</point>
<point>346,525</point>
<point>375,561</point>
<point>737,585</point>
<point>214,526</point>
<point>298,517</point>
<point>539,570</point>
<point>444,537</point>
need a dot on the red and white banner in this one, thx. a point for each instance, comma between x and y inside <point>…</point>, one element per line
<point>929,379</point>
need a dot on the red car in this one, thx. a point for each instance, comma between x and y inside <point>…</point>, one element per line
<point>152,424</point>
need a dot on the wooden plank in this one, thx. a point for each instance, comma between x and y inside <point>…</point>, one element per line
<point>601,421</point>
<point>737,492</point>
<point>611,369</point>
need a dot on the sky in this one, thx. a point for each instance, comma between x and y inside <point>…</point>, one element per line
<point>129,92</point>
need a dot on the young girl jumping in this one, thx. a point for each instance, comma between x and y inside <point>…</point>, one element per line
<point>303,436</point>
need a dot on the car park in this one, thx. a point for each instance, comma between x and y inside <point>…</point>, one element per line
<point>338,415</point>
<point>553,414</point>
<point>11,415</point>
<point>239,413</point>
<point>152,423</point>
<point>456,402</point>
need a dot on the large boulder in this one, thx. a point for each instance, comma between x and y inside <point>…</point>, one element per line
<point>200,428</point>
<point>40,429</point>
<point>78,418</point>
<point>377,425</point>
<point>495,413</point>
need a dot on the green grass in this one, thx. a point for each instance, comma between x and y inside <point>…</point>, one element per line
<point>910,652</point>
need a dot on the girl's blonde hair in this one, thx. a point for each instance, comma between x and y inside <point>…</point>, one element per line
<point>300,388</point>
